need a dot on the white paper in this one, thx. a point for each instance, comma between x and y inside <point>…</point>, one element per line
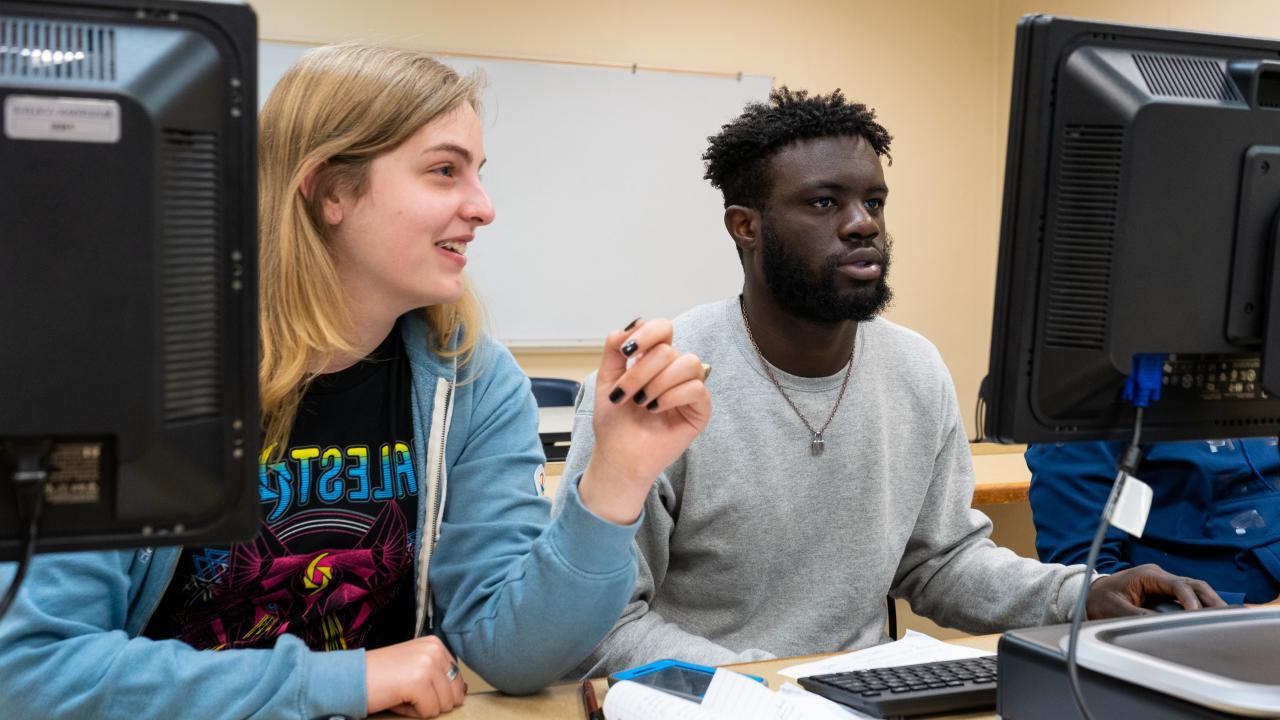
<point>1133,505</point>
<point>912,649</point>
<point>740,697</point>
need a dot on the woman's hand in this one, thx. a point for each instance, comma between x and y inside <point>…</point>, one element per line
<point>413,678</point>
<point>644,417</point>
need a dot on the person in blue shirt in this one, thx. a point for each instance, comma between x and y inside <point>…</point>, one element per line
<point>1215,514</point>
<point>402,518</point>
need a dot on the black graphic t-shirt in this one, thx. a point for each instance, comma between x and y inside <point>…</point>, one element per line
<point>333,563</point>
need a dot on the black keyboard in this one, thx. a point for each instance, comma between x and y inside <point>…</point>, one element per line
<point>906,690</point>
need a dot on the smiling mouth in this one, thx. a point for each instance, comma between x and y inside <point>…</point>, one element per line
<point>455,246</point>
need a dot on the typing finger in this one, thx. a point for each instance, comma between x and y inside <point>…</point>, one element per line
<point>1184,594</point>
<point>1208,596</point>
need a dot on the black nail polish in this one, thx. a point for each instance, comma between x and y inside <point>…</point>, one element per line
<point>616,395</point>
<point>652,406</point>
<point>631,325</point>
<point>629,348</point>
<point>639,398</point>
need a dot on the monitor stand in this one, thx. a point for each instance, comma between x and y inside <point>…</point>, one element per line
<point>1204,664</point>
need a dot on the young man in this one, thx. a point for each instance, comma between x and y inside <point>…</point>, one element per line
<point>835,467</point>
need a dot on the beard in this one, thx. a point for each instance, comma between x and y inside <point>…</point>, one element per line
<point>814,296</point>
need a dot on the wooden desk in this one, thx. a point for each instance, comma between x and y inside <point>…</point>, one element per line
<point>562,701</point>
<point>1000,474</point>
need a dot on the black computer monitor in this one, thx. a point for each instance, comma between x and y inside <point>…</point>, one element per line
<point>128,256</point>
<point>1141,193</point>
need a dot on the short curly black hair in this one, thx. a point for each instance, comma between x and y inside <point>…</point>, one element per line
<point>736,157</point>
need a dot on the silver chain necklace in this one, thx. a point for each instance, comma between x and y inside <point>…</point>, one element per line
<point>816,443</point>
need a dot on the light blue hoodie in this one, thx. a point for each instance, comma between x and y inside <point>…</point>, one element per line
<point>517,596</point>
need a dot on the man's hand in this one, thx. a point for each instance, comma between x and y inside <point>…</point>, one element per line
<point>1133,591</point>
<point>644,417</point>
<point>412,678</point>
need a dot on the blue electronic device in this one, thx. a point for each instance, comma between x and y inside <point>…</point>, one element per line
<point>684,679</point>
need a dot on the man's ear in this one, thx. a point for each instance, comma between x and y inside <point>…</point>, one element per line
<point>743,224</point>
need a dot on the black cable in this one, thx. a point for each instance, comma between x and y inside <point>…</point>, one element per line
<point>1130,462</point>
<point>1128,465</point>
<point>27,463</point>
<point>979,420</point>
<point>28,490</point>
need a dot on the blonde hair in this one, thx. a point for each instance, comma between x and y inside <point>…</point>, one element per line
<point>332,113</point>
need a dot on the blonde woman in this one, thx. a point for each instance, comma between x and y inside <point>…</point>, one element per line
<point>402,517</point>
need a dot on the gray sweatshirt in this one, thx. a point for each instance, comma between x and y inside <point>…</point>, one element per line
<point>751,547</point>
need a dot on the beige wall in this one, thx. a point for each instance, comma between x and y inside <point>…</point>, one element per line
<point>925,65</point>
<point>936,70</point>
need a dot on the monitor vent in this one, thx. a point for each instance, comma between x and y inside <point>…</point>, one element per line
<point>190,291</point>
<point>49,50</point>
<point>1186,77</point>
<point>1084,230</point>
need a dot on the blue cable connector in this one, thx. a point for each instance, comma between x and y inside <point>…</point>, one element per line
<point>1143,384</point>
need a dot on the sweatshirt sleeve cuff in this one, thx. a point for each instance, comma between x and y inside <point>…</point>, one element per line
<point>1069,592</point>
<point>588,542</point>
<point>335,685</point>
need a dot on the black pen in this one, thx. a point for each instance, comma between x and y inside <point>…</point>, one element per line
<point>589,701</point>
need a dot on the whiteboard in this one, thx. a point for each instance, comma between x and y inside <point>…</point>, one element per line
<point>596,177</point>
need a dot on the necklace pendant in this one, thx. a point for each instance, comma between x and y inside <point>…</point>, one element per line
<point>816,444</point>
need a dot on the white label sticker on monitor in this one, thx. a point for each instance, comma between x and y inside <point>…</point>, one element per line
<point>33,117</point>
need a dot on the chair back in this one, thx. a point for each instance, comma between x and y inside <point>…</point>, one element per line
<point>554,392</point>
